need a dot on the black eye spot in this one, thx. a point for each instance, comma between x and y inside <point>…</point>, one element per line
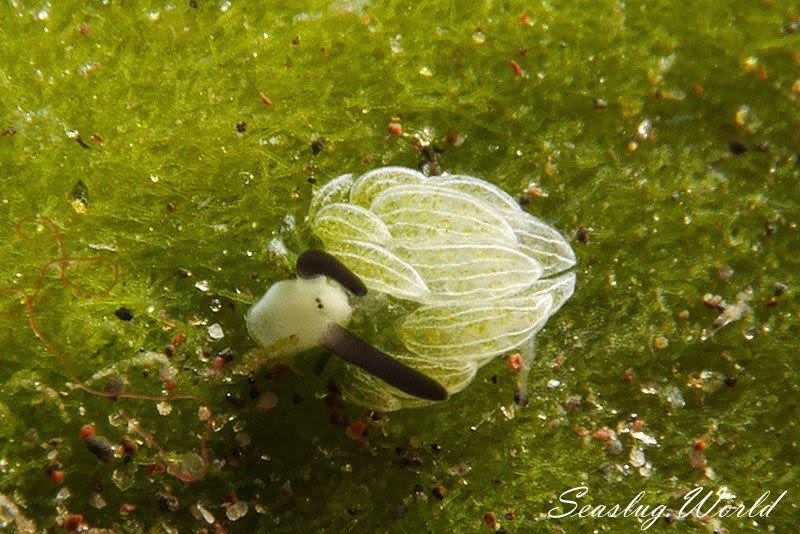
<point>319,303</point>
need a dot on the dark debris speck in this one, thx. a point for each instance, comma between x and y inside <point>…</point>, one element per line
<point>234,400</point>
<point>440,492</point>
<point>101,448</point>
<point>227,354</point>
<point>123,314</point>
<point>737,148</point>
<point>582,234</point>
<point>490,519</point>
<point>113,388</point>
<point>318,145</point>
<point>167,502</point>
<point>80,193</point>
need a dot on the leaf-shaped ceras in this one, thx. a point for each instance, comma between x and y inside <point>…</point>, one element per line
<point>457,274</point>
<point>431,214</point>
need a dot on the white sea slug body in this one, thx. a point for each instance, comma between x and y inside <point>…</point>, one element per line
<point>455,274</point>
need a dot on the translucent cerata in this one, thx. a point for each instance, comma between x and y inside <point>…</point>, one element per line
<point>457,273</point>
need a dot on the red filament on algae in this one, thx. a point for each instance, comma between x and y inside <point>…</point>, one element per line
<point>27,305</point>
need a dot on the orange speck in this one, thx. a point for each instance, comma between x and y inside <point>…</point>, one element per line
<point>536,191</point>
<point>97,138</point>
<point>218,365</point>
<point>523,18</point>
<point>73,522</point>
<point>514,362</point>
<point>515,67</point>
<point>356,428</point>
<point>57,476</point>
<point>126,508</point>
<point>156,469</point>
<point>87,431</point>
<point>265,99</point>
<point>178,340</point>
<point>698,89</point>
<point>638,424</point>
<point>170,385</point>
<point>699,445</point>
<point>85,29</point>
<point>395,128</point>
<point>627,376</point>
<point>762,72</point>
<point>603,434</point>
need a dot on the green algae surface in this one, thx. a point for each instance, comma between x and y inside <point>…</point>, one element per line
<point>149,153</point>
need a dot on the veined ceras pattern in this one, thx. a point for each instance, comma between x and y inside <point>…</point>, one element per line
<point>415,282</point>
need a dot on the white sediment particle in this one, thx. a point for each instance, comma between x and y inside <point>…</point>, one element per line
<point>215,331</point>
<point>673,396</point>
<point>102,246</point>
<point>202,285</point>
<point>644,438</point>
<point>97,501</point>
<point>237,510</point>
<point>644,129</point>
<point>650,389</point>
<point>734,312</point>
<point>395,45</point>
<point>276,248</point>
<point>646,470</point>
<point>203,512</point>
<point>636,457</point>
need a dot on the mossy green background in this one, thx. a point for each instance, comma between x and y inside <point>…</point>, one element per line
<point>164,85</point>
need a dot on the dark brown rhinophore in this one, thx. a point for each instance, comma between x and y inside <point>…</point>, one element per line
<point>313,263</point>
<point>353,349</point>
